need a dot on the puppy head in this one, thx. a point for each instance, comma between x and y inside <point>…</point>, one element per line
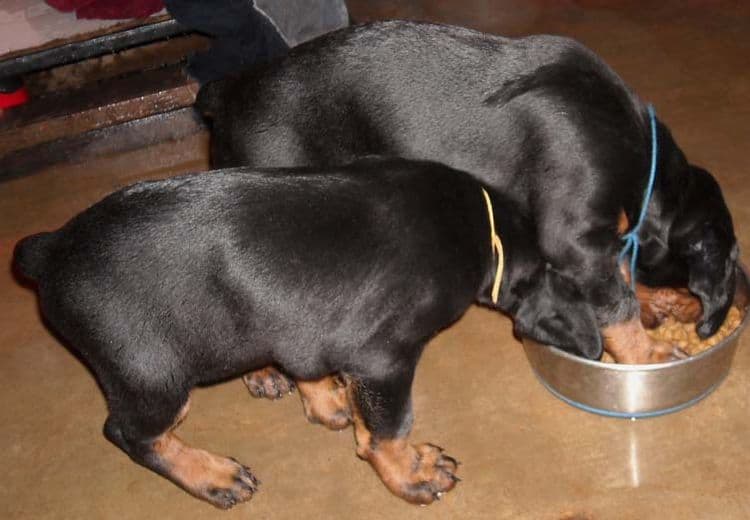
<point>553,312</point>
<point>700,249</point>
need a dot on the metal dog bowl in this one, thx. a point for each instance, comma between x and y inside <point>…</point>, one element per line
<point>634,391</point>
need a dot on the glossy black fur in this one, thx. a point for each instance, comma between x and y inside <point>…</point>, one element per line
<point>171,284</point>
<point>541,119</point>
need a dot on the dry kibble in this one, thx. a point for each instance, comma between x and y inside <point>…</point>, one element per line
<point>684,335</point>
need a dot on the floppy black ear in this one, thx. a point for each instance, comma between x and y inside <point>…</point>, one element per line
<point>713,279</point>
<point>553,312</point>
<point>704,236</point>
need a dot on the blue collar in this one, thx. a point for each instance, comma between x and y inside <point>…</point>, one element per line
<point>632,239</point>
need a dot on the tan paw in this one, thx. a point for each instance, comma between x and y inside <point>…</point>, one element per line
<point>269,383</point>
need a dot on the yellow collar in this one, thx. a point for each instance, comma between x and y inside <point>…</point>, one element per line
<point>497,247</point>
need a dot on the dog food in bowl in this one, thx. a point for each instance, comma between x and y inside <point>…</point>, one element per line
<point>684,335</point>
<point>620,390</point>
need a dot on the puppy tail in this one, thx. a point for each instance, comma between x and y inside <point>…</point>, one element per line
<point>209,97</point>
<point>31,255</point>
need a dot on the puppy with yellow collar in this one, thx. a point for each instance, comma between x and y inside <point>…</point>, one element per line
<point>347,270</point>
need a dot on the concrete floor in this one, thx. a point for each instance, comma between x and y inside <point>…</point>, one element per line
<point>525,454</point>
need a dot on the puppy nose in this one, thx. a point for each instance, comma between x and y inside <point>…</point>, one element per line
<point>708,327</point>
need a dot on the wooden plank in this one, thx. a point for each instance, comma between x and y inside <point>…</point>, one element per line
<point>60,53</point>
<point>31,26</point>
<point>134,134</point>
<point>142,58</point>
<point>96,106</point>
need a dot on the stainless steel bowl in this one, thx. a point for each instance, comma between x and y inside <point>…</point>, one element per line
<point>634,391</point>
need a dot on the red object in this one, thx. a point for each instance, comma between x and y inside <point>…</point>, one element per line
<point>11,99</point>
<point>109,9</point>
<point>69,5</point>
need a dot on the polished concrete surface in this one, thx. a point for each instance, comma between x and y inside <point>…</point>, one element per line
<point>525,454</point>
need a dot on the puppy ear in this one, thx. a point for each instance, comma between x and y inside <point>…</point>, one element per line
<point>713,280</point>
<point>703,236</point>
<point>553,312</point>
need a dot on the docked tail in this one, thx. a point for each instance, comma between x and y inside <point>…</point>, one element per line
<point>209,98</point>
<point>31,255</point>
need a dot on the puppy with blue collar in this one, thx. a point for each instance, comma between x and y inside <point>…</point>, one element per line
<point>541,119</point>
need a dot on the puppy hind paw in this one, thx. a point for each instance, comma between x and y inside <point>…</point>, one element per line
<point>268,382</point>
<point>325,402</point>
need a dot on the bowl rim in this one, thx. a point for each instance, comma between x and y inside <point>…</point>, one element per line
<point>617,367</point>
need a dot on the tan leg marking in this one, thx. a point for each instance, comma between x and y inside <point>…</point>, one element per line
<point>268,382</point>
<point>325,402</point>
<point>622,223</point>
<point>628,342</point>
<point>221,481</point>
<point>419,474</point>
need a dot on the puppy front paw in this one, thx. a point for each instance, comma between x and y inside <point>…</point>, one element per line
<point>659,303</point>
<point>239,486</point>
<point>434,475</point>
<point>663,352</point>
<point>419,474</point>
<point>628,343</point>
<point>221,481</point>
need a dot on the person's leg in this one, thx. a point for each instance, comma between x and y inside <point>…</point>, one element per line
<point>243,36</point>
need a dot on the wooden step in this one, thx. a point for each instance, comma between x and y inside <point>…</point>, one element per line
<point>137,133</point>
<point>74,105</point>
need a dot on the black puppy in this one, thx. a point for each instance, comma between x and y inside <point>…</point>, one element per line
<point>541,119</point>
<point>170,284</point>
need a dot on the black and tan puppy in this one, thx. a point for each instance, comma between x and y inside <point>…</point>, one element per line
<point>170,284</point>
<point>541,119</point>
